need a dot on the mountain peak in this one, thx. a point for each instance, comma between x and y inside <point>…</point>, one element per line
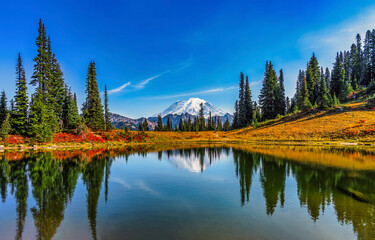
<point>195,99</point>
<point>192,107</point>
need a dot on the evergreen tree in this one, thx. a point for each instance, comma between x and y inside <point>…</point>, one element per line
<point>42,79</point>
<point>39,127</point>
<point>3,107</point>
<point>313,79</point>
<point>338,76</point>
<point>366,76</point>
<point>57,93</point>
<point>181,125</point>
<point>19,113</point>
<point>235,116</point>
<point>293,106</point>
<point>305,104</point>
<point>5,127</point>
<point>107,120</point>
<point>323,99</point>
<point>287,105</point>
<point>92,108</point>
<point>327,78</point>
<point>140,126</point>
<point>219,125</point>
<point>145,125</point>
<point>372,57</point>
<point>185,127</point>
<point>168,126</point>
<point>281,94</point>
<point>70,113</point>
<point>41,66</point>
<point>248,104</point>
<point>267,97</point>
<point>355,66</point>
<point>201,120</point>
<point>159,126</point>
<point>359,71</point>
<point>209,122</point>
<point>335,101</point>
<point>298,97</point>
<point>257,115</point>
<point>241,102</point>
<point>226,126</point>
<point>189,125</point>
<point>347,69</point>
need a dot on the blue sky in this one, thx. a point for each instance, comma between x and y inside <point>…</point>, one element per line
<point>152,53</point>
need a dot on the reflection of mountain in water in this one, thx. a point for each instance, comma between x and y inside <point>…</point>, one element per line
<point>193,160</point>
<point>192,164</point>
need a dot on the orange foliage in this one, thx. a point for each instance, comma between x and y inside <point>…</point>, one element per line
<point>14,139</point>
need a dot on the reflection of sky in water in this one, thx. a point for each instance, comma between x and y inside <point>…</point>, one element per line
<point>152,198</point>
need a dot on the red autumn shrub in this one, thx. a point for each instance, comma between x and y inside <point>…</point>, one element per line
<point>14,139</point>
<point>362,121</point>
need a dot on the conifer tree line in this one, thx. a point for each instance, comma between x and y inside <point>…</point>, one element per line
<point>272,101</point>
<point>52,107</point>
<point>316,86</point>
<point>198,123</point>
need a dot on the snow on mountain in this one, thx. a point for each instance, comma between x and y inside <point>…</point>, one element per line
<point>192,107</point>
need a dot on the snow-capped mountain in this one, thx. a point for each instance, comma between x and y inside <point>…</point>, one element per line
<point>178,110</point>
<point>192,107</point>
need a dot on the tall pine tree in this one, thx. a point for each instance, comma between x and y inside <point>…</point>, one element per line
<point>19,121</point>
<point>313,79</point>
<point>248,103</point>
<point>92,108</point>
<point>241,102</point>
<point>70,112</point>
<point>107,120</point>
<point>3,107</point>
<point>268,93</point>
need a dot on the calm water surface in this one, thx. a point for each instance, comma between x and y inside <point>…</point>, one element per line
<point>194,193</point>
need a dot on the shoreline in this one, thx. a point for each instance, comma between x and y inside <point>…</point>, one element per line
<point>91,145</point>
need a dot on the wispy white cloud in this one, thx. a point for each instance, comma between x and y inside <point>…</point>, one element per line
<point>143,83</point>
<point>119,89</point>
<point>215,90</point>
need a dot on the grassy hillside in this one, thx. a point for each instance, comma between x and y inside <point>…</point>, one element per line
<point>352,121</point>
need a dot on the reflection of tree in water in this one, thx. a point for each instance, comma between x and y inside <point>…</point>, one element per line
<point>53,186</point>
<point>319,187</point>
<point>349,210</point>
<point>92,176</point>
<point>273,176</point>
<point>18,180</point>
<point>246,164</point>
<point>4,172</point>
<point>314,188</point>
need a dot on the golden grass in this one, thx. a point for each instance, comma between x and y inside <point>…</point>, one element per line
<point>348,122</point>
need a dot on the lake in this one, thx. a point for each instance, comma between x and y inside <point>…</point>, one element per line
<point>195,192</point>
